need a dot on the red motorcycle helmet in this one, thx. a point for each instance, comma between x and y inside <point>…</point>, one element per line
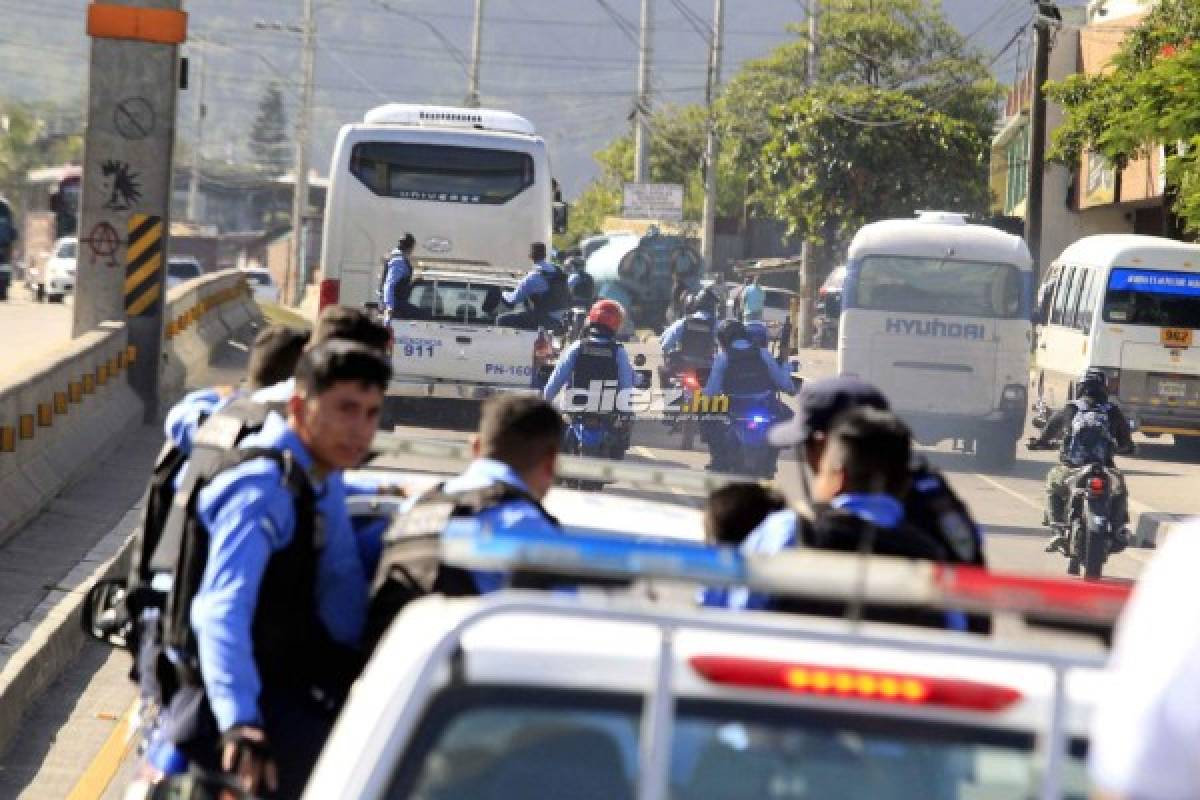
<point>607,313</point>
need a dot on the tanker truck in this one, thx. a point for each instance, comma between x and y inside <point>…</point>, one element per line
<point>639,271</point>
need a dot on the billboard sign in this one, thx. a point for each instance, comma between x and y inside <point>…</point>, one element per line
<point>662,201</point>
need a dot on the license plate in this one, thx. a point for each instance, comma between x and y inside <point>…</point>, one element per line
<point>1176,337</point>
<point>1172,389</point>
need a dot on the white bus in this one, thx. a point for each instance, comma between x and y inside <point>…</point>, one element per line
<point>1129,305</point>
<point>936,313</point>
<point>472,185</point>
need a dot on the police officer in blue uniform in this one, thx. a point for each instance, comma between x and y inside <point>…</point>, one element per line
<point>276,654</point>
<point>545,288</point>
<point>398,280</point>
<point>690,342</point>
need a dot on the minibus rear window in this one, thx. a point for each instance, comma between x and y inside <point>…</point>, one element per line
<point>1153,297</point>
<point>939,286</point>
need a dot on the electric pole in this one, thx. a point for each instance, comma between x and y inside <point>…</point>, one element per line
<point>641,144</point>
<point>133,83</point>
<point>197,142</point>
<point>293,287</point>
<point>808,264</point>
<point>1043,29</point>
<point>476,48</point>
<point>711,146</point>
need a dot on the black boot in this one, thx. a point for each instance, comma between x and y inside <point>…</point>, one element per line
<point>1059,543</point>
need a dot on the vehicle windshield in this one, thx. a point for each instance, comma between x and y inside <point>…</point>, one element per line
<point>939,286</point>
<point>781,301</point>
<point>259,278</point>
<point>1153,297</point>
<point>457,301</point>
<point>183,269</point>
<point>68,249</point>
<point>441,173</point>
<point>496,742</point>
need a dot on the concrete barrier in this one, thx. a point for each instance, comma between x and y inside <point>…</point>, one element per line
<point>56,420</point>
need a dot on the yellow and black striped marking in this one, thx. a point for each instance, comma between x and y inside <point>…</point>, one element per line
<point>143,265</point>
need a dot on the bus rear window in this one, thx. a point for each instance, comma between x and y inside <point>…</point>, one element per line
<point>939,286</point>
<point>441,173</point>
<point>1153,297</point>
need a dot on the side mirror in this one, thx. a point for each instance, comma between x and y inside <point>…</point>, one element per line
<point>639,360</point>
<point>643,379</point>
<point>561,217</point>
<point>105,614</point>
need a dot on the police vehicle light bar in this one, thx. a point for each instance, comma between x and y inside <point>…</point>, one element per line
<point>798,573</point>
<point>853,683</point>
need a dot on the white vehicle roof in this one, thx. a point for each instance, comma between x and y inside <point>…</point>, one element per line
<point>420,116</point>
<point>1132,250</point>
<point>936,233</point>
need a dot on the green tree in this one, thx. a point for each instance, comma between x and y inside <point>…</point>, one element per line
<point>25,145</point>
<point>1150,97</point>
<point>900,119</point>
<point>270,140</point>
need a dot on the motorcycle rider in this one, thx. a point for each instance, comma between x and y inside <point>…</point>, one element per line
<point>545,287</point>
<point>741,368</point>
<point>580,283</point>
<point>597,357</point>
<point>689,342</point>
<point>1090,426</point>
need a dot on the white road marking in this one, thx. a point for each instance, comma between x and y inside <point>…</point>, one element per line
<point>238,345</point>
<point>1011,492</point>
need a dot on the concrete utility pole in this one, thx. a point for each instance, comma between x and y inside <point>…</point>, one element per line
<point>808,264</point>
<point>293,287</point>
<point>712,146</point>
<point>128,152</point>
<point>476,51</point>
<point>197,69</point>
<point>1047,18</point>
<point>641,136</point>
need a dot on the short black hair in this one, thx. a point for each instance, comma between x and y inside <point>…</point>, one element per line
<point>734,510</point>
<point>874,450</point>
<point>519,430</point>
<point>537,251</point>
<point>274,355</point>
<point>340,361</point>
<point>352,324</point>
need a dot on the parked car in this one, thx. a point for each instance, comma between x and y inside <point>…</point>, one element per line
<point>264,286</point>
<point>57,277</point>
<point>776,309</point>
<point>181,269</point>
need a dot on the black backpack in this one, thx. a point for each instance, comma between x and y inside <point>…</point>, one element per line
<point>411,567</point>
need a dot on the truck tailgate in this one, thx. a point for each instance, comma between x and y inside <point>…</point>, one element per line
<point>476,354</point>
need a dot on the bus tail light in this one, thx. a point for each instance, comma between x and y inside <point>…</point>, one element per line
<point>331,293</point>
<point>853,683</point>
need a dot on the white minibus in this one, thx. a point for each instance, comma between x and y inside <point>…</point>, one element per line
<point>472,185</point>
<point>1129,305</point>
<point>936,313</point>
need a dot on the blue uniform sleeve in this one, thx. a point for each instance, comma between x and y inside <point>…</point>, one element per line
<point>773,535</point>
<point>368,536</point>
<point>397,271</point>
<point>186,416</point>
<point>562,372</point>
<point>781,377</point>
<point>531,284</point>
<point>249,515</point>
<point>671,336</point>
<point>625,376</point>
<point>518,516</point>
<point>716,377</point>
<point>341,589</point>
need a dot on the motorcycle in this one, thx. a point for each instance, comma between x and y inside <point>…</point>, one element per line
<point>596,436</point>
<point>750,418</point>
<point>576,321</point>
<point>690,379</point>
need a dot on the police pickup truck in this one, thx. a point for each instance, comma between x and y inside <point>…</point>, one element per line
<point>611,693</point>
<point>456,351</point>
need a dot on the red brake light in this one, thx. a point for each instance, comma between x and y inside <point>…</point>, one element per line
<point>691,381</point>
<point>853,683</point>
<point>1096,485</point>
<point>331,293</point>
<point>542,347</point>
<point>979,588</point>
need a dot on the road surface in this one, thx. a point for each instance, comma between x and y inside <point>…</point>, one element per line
<point>73,737</point>
<point>29,329</point>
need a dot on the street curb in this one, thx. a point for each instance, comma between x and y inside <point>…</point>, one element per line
<point>38,651</point>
